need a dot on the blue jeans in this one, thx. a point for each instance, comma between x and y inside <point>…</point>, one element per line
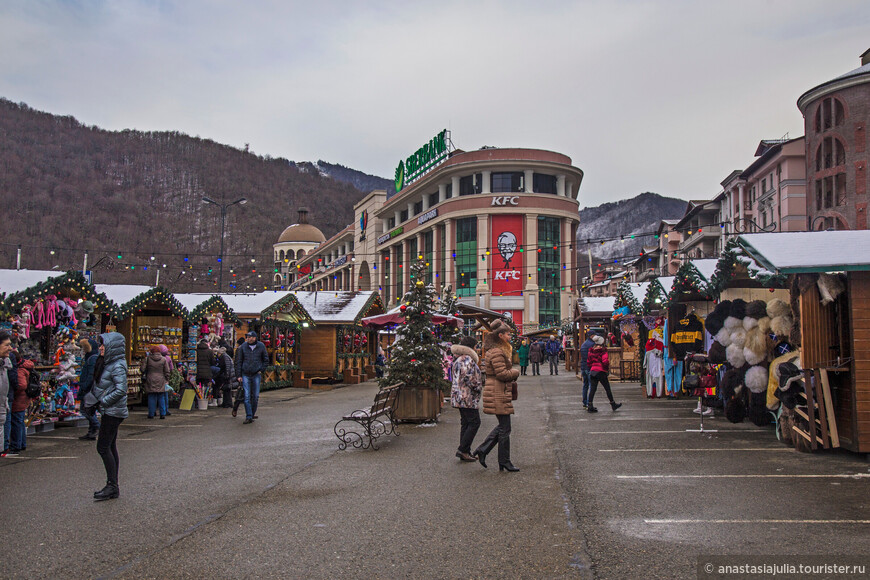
<point>251,386</point>
<point>156,400</point>
<point>18,432</point>
<point>586,381</point>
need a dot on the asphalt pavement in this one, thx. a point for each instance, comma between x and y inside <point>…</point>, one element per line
<point>611,495</point>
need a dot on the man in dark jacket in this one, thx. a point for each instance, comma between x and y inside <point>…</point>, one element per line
<point>86,383</point>
<point>251,360</point>
<point>584,364</point>
<point>553,348</point>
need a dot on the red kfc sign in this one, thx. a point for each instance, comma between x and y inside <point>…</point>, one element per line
<point>507,260</point>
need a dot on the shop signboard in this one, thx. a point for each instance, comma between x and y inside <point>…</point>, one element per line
<point>388,236</point>
<point>505,200</point>
<point>429,215</point>
<point>421,161</point>
<point>507,260</point>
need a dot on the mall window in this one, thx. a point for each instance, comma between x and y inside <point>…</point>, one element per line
<point>829,114</point>
<point>427,254</point>
<point>449,192</point>
<point>507,182</point>
<point>548,269</point>
<point>418,207</point>
<point>433,199</point>
<point>544,183</point>
<point>400,271</point>
<point>443,272</point>
<point>466,256</point>
<point>403,216</point>
<point>391,222</point>
<point>470,184</point>
<point>385,269</point>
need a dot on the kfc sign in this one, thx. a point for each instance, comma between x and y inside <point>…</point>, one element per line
<point>507,260</point>
<point>502,200</point>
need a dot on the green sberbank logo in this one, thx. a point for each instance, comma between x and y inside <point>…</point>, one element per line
<point>422,160</point>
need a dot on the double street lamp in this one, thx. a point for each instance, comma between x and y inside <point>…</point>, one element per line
<point>224,207</point>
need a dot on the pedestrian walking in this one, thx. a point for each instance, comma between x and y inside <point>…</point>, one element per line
<point>86,384</point>
<point>155,376</point>
<point>251,360</point>
<point>205,360</point>
<point>465,393</point>
<point>523,353</point>
<point>553,349</point>
<point>599,367</point>
<point>6,385</point>
<point>164,350</point>
<point>225,376</point>
<point>497,399</point>
<point>536,356</point>
<point>16,429</point>
<point>584,365</point>
<point>110,392</point>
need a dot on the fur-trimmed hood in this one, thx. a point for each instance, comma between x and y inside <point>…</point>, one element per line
<point>491,341</point>
<point>458,350</point>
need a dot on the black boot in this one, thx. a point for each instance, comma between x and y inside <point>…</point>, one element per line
<point>111,491</point>
<point>615,406</point>
<point>483,450</point>
<point>91,435</point>
<point>504,455</point>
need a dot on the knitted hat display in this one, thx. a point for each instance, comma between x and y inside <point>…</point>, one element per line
<point>735,357</point>
<point>777,307</point>
<point>738,337</point>
<point>723,337</point>
<point>756,379</point>
<point>716,354</point>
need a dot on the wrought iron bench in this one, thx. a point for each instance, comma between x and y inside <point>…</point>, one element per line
<point>363,427</point>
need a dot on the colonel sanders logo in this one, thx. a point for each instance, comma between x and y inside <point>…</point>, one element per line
<point>507,246</point>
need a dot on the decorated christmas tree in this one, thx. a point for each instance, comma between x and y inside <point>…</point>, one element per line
<point>417,357</point>
<point>447,307</point>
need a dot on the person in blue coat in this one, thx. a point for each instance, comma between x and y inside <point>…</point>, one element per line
<point>110,392</point>
<point>552,348</point>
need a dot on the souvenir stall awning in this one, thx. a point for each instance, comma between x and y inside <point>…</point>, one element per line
<point>339,307</point>
<point>267,304</point>
<point>20,287</point>
<point>198,305</point>
<point>127,299</point>
<point>804,252</point>
<point>395,319</point>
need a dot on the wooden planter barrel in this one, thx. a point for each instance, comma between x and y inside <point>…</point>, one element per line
<point>418,404</point>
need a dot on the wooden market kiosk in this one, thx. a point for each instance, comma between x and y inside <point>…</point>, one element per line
<point>337,347</point>
<point>829,280</point>
<point>278,318</point>
<point>145,316</point>
<point>206,309</point>
<point>45,310</point>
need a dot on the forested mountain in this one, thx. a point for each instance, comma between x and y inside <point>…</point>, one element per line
<point>640,214</point>
<point>67,187</point>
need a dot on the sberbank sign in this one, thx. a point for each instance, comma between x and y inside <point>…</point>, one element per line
<point>422,160</point>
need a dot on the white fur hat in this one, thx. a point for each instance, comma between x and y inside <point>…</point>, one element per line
<point>598,339</point>
<point>781,325</point>
<point>735,357</point>
<point>732,323</point>
<point>738,337</point>
<point>756,379</point>
<point>723,337</point>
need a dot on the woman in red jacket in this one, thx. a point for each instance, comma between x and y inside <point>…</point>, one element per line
<point>599,366</point>
<point>18,435</point>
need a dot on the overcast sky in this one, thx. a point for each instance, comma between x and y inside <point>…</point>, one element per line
<point>643,96</point>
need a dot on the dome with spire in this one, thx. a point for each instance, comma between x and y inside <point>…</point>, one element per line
<point>302,231</point>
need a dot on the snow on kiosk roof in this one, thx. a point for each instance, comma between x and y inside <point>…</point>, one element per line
<point>265,304</point>
<point>603,304</point>
<point>797,252</point>
<point>330,307</point>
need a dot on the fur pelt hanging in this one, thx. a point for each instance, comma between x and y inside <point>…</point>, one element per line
<point>723,337</point>
<point>716,319</point>
<point>781,326</point>
<point>756,379</point>
<point>756,348</point>
<point>738,309</point>
<point>830,286</point>
<point>716,354</point>
<point>732,322</point>
<point>764,324</point>
<point>734,354</point>
<point>738,337</point>
<point>777,307</point>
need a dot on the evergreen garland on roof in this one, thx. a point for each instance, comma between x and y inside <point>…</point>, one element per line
<point>687,280</point>
<point>213,304</point>
<point>281,306</point>
<point>625,297</point>
<point>655,297</point>
<point>73,280</point>
<point>158,294</point>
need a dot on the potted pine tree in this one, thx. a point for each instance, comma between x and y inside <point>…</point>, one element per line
<point>417,358</point>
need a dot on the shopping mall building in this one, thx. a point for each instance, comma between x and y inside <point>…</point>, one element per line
<point>496,225</point>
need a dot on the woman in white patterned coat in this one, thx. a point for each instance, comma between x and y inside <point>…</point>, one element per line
<point>465,393</point>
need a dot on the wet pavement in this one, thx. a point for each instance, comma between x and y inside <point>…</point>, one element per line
<point>611,495</point>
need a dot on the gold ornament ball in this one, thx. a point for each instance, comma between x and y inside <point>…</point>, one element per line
<point>420,284</point>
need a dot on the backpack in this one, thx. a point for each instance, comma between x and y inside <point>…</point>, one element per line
<point>34,385</point>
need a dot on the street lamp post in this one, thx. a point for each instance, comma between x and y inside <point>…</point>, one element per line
<point>224,207</point>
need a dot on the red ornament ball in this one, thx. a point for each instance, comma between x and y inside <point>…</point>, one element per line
<point>403,308</point>
<point>413,360</point>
